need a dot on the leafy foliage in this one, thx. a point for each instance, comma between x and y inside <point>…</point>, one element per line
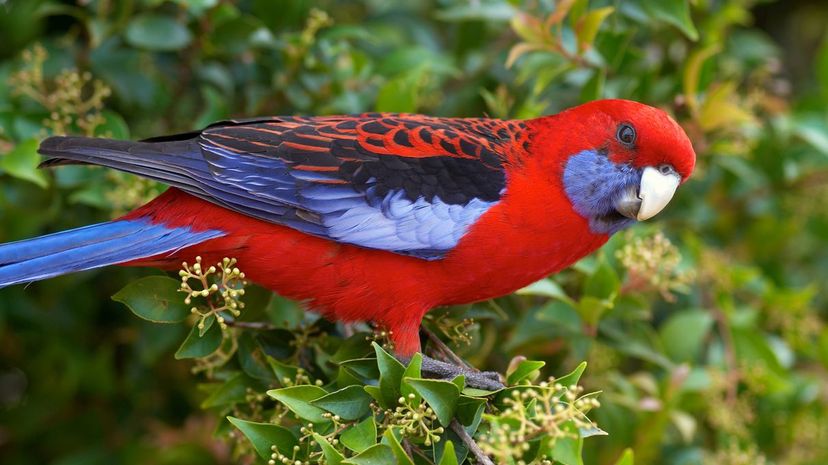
<point>704,331</point>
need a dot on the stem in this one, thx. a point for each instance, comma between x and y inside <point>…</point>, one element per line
<point>256,325</point>
<point>444,349</point>
<point>482,458</point>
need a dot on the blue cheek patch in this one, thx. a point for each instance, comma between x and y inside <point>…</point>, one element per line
<point>593,182</point>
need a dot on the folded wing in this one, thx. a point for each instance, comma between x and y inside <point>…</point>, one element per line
<point>407,184</point>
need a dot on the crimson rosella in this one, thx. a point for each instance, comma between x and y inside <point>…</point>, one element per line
<point>377,217</point>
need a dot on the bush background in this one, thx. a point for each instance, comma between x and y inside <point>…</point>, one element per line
<point>718,356</point>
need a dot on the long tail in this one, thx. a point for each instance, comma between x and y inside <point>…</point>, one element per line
<point>91,247</point>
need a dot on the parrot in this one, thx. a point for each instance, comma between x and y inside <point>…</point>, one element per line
<point>378,217</point>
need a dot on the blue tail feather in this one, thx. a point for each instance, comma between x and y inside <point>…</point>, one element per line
<point>92,247</point>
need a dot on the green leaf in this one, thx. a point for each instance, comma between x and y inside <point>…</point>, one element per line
<point>470,411</point>
<point>113,127</point>
<point>674,12</point>
<point>587,26</point>
<point>391,373</point>
<point>196,346</point>
<point>365,368</point>
<point>591,309</point>
<point>572,378</point>
<point>360,436</point>
<point>284,373</point>
<point>603,283</point>
<point>545,288</point>
<point>253,359</point>
<point>398,95</point>
<point>232,391</point>
<point>375,392</point>
<point>594,87</point>
<point>379,454</point>
<point>413,370</point>
<point>197,7</point>
<point>265,435</point>
<point>684,333</point>
<point>22,161</point>
<point>298,399</point>
<point>527,370</point>
<point>626,458</point>
<point>355,347</point>
<point>207,324</point>
<point>332,456</point>
<point>157,32</point>
<point>568,450</point>
<point>391,439</point>
<point>449,457</point>
<point>440,395</point>
<point>477,11</point>
<point>350,403</point>
<point>154,298</point>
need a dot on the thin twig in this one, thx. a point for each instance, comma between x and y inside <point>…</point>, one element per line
<point>409,450</point>
<point>444,349</point>
<point>482,458</point>
<point>257,325</point>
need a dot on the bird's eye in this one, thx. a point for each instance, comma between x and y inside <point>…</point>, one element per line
<point>666,169</point>
<point>626,135</point>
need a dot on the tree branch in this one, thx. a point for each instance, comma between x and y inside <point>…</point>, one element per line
<point>482,458</point>
<point>444,349</point>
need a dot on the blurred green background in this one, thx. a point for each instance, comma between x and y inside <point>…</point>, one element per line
<point>705,329</point>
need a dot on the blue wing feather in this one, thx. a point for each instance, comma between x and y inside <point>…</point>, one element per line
<point>314,176</point>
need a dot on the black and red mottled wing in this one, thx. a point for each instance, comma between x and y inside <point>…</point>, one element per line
<point>408,184</point>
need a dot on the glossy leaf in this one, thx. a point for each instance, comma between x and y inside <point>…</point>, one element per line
<point>155,299</point>
<point>360,436</point>
<point>22,161</point>
<point>572,378</point>
<point>197,345</point>
<point>526,370</point>
<point>440,395</point>
<point>232,391</point>
<point>449,457</point>
<point>587,26</point>
<point>675,12</point>
<point>379,454</point>
<point>393,442</point>
<point>350,403</point>
<point>332,456</point>
<point>157,32</point>
<point>626,458</point>
<point>391,373</point>
<point>265,435</point>
<point>683,334</point>
<point>299,400</point>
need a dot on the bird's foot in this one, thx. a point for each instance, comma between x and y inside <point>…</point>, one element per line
<point>488,380</point>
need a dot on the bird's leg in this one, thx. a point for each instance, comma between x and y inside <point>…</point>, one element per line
<point>488,380</point>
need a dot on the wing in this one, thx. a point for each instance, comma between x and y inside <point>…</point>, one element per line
<point>407,184</point>
<point>402,183</point>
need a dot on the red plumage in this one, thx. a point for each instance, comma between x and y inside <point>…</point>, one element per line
<point>531,232</point>
<point>378,217</point>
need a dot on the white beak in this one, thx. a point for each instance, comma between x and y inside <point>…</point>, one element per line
<point>655,191</point>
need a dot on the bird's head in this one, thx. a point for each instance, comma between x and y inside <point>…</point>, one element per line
<point>619,161</point>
